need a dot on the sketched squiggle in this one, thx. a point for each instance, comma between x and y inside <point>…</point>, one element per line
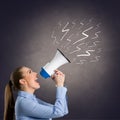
<point>81,40</point>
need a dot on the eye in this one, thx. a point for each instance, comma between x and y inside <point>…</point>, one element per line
<point>30,71</point>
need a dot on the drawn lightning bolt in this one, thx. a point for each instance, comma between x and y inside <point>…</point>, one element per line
<point>81,62</point>
<point>54,37</point>
<point>86,54</point>
<point>65,30</point>
<point>96,59</point>
<point>73,23</point>
<point>85,35</point>
<point>94,44</point>
<point>96,34</point>
<point>98,25</point>
<point>77,48</point>
<point>99,50</point>
<point>68,42</point>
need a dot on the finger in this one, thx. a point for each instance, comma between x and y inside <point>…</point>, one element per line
<point>52,76</point>
<point>58,72</point>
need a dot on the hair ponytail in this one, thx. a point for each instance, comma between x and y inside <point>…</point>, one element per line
<point>9,102</point>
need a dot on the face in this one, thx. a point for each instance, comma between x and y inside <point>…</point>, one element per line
<point>30,79</point>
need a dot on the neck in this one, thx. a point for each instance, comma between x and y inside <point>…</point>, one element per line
<point>29,90</point>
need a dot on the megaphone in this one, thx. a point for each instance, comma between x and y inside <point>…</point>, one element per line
<point>58,60</point>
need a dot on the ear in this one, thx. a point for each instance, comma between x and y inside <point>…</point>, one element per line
<point>22,81</point>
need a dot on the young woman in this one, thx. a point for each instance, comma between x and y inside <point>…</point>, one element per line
<point>27,106</point>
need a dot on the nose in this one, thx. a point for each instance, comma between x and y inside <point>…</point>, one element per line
<point>37,75</point>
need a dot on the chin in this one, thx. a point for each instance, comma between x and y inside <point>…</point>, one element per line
<point>38,87</point>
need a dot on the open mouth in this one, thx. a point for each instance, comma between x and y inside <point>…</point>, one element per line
<point>37,80</point>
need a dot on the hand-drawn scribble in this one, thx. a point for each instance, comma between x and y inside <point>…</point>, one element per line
<point>85,35</point>
<point>96,59</point>
<point>87,53</point>
<point>96,34</point>
<point>80,40</point>
<point>81,62</point>
<point>65,31</point>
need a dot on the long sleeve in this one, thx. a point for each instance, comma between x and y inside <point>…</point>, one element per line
<point>64,100</point>
<point>39,109</point>
<point>48,104</point>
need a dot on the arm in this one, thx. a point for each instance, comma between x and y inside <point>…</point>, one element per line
<point>43,102</point>
<point>66,106</point>
<point>33,109</point>
<point>48,104</point>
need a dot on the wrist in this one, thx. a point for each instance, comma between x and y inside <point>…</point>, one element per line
<point>60,85</point>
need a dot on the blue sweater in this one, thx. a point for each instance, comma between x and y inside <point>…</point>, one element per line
<point>28,107</point>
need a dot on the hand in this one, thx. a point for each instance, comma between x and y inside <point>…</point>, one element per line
<point>59,78</point>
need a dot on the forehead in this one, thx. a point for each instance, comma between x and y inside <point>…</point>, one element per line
<point>25,69</point>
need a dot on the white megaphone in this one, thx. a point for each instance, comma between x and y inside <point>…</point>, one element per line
<point>58,60</point>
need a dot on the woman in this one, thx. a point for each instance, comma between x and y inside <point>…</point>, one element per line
<point>27,106</point>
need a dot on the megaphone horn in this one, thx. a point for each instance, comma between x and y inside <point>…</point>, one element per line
<point>58,60</point>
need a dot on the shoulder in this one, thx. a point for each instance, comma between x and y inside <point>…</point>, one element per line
<point>22,102</point>
<point>24,105</point>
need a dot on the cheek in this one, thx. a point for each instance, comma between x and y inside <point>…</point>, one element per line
<point>31,81</point>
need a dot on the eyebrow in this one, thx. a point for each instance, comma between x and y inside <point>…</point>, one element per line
<point>29,70</point>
